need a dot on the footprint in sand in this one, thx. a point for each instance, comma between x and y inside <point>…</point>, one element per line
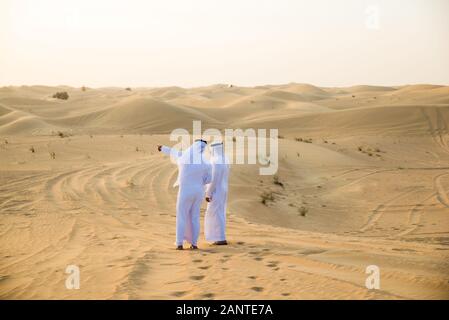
<point>197,260</point>
<point>179,293</point>
<point>307,252</point>
<point>258,258</point>
<point>258,289</point>
<point>197,277</point>
<point>272,264</point>
<point>208,295</point>
<point>204,267</point>
<point>252,277</point>
<point>285,294</point>
<point>240,243</point>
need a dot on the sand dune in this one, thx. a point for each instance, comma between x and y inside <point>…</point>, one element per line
<point>364,175</point>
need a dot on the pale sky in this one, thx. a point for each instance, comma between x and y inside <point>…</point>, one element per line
<point>244,42</point>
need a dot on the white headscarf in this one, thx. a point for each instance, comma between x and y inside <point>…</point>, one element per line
<point>193,155</point>
<point>217,153</point>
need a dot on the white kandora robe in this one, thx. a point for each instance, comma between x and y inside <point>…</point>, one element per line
<point>217,190</point>
<point>194,172</point>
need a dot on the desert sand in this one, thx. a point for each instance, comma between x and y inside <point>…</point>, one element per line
<point>81,183</point>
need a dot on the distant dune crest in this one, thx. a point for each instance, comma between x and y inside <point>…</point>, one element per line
<point>294,107</point>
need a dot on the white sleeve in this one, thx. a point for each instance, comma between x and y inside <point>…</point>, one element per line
<point>171,152</point>
<point>208,175</point>
<point>217,173</point>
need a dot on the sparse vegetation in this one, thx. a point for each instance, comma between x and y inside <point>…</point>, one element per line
<point>130,183</point>
<point>265,197</point>
<point>308,140</point>
<point>277,182</point>
<point>370,152</point>
<point>63,95</point>
<point>62,134</point>
<point>303,211</point>
<point>52,155</point>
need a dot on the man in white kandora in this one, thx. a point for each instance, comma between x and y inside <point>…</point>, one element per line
<point>217,196</point>
<point>194,172</point>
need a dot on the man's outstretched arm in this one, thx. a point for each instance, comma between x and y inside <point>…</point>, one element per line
<point>169,151</point>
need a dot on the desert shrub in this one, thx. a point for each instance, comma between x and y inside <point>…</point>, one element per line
<point>83,88</point>
<point>266,196</point>
<point>277,182</point>
<point>128,89</point>
<point>61,95</point>
<point>61,134</point>
<point>303,211</point>
<point>130,183</point>
<point>52,155</point>
<point>32,149</point>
